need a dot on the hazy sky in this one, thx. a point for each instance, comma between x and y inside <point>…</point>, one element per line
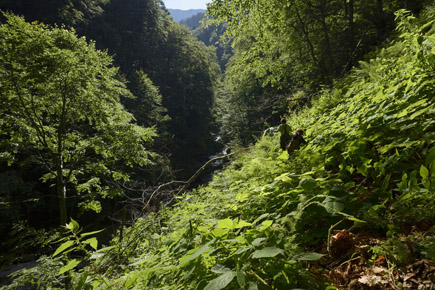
<point>186,4</point>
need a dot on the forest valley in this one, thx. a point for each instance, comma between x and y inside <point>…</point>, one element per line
<point>111,113</point>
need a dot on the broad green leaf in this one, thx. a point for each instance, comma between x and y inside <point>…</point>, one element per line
<point>308,183</point>
<point>197,253</point>
<point>63,247</point>
<point>332,206</point>
<point>220,282</point>
<point>265,225</point>
<point>73,226</point>
<point>283,155</point>
<point>263,216</point>
<point>93,242</point>
<point>284,178</point>
<point>241,278</point>
<point>308,256</point>
<point>219,232</point>
<point>242,224</point>
<point>95,284</point>
<point>258,242</point>
<point>268,252</point>
<point>71,264</point>
<point>218,268</point>
<point>252,286</point>
<point>242,250</point>
<point>225,224</point>
<point>203,229</point>
<point>424,172</point>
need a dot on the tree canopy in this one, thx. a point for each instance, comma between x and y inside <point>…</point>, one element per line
<point>61,101</point>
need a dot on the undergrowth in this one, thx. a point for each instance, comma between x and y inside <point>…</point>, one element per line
<point>267,220</point>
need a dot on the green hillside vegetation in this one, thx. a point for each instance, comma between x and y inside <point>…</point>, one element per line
<point>193,21</point>
<point>354,207</point>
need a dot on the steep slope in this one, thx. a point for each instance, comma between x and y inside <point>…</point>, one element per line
<point>352,208</point>
<point>368,172</point>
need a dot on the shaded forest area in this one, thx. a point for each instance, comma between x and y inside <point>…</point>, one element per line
<point>109,105</point>
<point>172,77</point>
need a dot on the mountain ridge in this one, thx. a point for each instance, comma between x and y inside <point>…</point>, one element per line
<point>179,14</point>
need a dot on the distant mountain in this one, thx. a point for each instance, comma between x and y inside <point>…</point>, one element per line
<point>193,21</point>
<point>178,14</point>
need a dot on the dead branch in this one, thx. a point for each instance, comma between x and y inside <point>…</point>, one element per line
<point>195,176</point>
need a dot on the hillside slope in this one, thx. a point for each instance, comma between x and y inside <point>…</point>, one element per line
<point>353,208</point>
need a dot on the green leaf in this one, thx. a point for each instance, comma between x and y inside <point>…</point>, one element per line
<point>424,172</point>
<point>263,216</point>
<point>220,282</point>
<point>308,183</point>
<point>73,226</point>
<point>219,232</point>
<point>265,225</point>
<point>91,233</point>
<point>241,278</point>
<point>242,224</point>
<point>63,247</point>
<point>258,242</point>
<point>430,156</point>
<point>71,264</point>
<point>332,206</point>
<point>82,281</point>
<point>225,224</point>
<point>130,281</point>
<point>308,256</point>
<point>420,112</point>
<point>93,242</point>
<point>197,253</point>
<point>220,269</point>
<point>268,252</point>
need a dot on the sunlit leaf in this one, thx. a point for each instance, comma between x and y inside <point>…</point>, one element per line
<point>63,247</point>
<point>220,282</point>
<point>225,224</point>
<point>308,256</point>
<point>70,265</point>
<point>424,172</point>
<point>93,242</point>
<point>268,252</point>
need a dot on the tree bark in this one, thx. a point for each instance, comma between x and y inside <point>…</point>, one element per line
<point>330,59</point>
<point>61,190</point>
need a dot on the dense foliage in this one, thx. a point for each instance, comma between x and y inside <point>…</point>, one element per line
<point>268,220</point>
<point>166,79</point>
<point>141,36</point>
<point>288,50</point>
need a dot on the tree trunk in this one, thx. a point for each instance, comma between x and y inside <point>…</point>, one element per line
<point>380,31</point>
<point>330,61</point>
<point>350,11</point>
<point>61,190</point>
